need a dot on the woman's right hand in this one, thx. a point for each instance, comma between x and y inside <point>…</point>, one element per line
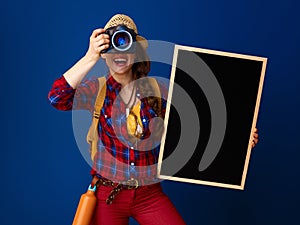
<point>98,42</point>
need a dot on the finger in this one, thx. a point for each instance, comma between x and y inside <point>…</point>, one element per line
<point>255,135</point>
<point>98,31</point>
<point>102,36</point>
<point>255,130</point>
<point>255,140</point>
<point>102,47</point>
<point>102,42</point>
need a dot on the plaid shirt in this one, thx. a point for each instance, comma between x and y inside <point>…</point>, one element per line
<point>117,158</point>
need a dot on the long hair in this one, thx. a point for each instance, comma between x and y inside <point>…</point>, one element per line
<point>140,69</point>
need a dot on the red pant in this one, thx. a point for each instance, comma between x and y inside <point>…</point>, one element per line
<point>147,204</point>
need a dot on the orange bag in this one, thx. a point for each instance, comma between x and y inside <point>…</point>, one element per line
<point>86,206</point>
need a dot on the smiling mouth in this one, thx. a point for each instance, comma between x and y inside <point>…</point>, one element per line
<point>120,61</point>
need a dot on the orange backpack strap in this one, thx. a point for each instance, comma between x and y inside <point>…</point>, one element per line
<point>92,136</point>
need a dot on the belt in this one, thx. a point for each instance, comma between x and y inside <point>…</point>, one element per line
<point>117,187</point>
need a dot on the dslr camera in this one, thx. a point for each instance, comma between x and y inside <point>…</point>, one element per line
<point>122,40</point>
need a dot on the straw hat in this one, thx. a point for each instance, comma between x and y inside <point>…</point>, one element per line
<point>121,19</point>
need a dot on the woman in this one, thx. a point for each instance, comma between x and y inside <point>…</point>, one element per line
<point>123,167</point>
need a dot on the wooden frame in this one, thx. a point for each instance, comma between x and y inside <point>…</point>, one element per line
<point>241,79</point>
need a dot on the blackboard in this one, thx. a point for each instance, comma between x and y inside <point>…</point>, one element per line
<point>212,110</point>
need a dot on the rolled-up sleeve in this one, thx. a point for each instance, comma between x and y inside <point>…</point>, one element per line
<point>63,97</point>
<point>61,94</point>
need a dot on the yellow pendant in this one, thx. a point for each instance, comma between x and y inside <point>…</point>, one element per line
<point>134,122</point>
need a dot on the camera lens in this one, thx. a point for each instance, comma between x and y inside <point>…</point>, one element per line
<point>122,40</point>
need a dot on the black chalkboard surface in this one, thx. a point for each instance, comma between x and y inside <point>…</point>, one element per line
<point>212,109</point>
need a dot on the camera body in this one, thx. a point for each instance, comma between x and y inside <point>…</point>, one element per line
<point>122,40</point>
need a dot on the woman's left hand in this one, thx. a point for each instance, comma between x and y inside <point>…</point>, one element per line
<point>255,137</point>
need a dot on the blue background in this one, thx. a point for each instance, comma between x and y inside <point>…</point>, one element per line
<point>42,171</point>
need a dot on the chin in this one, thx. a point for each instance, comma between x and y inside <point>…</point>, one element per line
<point>120,72</point>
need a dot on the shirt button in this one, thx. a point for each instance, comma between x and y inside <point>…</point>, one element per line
<point>144,120</point>
<point>131,147</point>
<point>105,116</point>
<point>132,163</point>
<point>138,94</point>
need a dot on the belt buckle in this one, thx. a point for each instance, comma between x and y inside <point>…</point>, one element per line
<point>132,183</point>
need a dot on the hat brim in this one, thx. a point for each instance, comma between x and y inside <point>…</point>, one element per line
<point>142,41</point>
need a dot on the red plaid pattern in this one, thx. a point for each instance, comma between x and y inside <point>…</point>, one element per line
<point>117,157</point>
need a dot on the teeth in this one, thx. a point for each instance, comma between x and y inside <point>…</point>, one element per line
<point>120,60</point>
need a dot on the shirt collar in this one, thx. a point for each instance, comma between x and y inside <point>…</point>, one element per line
<point>117,86</point>
<point>113,83</point>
